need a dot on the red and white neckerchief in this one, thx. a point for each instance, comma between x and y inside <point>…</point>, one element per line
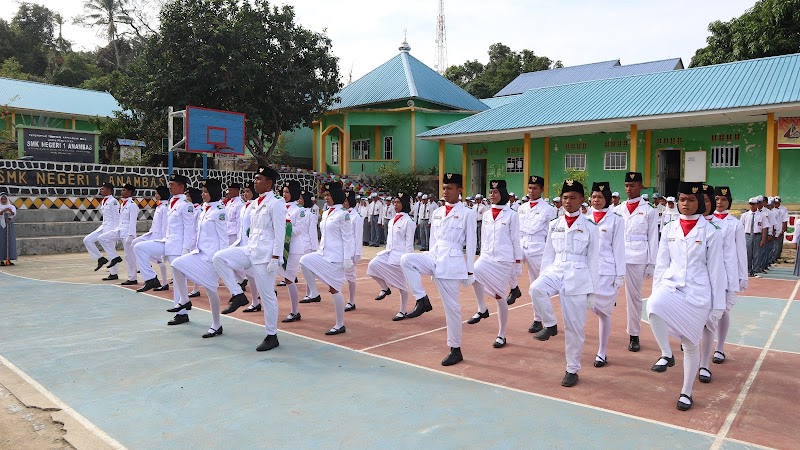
<point>124,202</point>
<point>534,203</point>
<point>496,212</point>
<point>397,217</point>
<point>448,208</point>
<point>598,215</point>
<point>721,215</point>
<point>261,198</point>
<point>632,205</point>
<point>172,203</point>
<point>571,219</point>
<point>687,225</point>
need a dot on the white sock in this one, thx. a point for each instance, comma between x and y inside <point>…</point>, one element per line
<point>163,268</point>
<point>338,305</point>
<point>381,283</point>
<point>213,300</point>
<point>352,291</point>
<point>311,280</point>
<point>605,332</point>
<point>661,333</point>
<point>293,294</point>
<point>722,330</point>
<point>691,363</point>
<point>403,300</point>
<point>706,346</point>
<point>480,295</point>
<point>502,316</point>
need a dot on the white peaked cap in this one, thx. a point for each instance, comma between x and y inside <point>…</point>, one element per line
<point>615,194</point>
<point>425,197</point>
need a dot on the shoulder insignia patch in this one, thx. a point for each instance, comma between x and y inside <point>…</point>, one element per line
<point>302,213</point>
<point>220,207</point>
<point>222,217</point>
<point>191,208</point>
<point>347,217</point>
<point>715,225</point>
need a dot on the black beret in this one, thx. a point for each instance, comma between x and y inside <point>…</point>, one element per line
<point>535,179</point>
<point>179,179</point>
<point>162,192</point>
<point>572,186</point>
<point>696,189</point>
<point>452,178</point>
<point>633,176</point>
<point>107,185</point>
<point>268,172</point>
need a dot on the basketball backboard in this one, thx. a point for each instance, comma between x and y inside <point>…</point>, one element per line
<point>214,131</point>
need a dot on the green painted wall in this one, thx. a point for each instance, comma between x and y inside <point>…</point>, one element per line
<point>789,178</point>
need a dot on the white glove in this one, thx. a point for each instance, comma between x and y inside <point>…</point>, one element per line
<point>272,266</point>
<point>648,271</point>
<point>619,281</point>
<point>356,259</point>
<point>590,300</point>
<point>470,279</point>
<point>348,264</point>
<point>742,285</point>
<point>716,314</point>
<point>517,270</point>
<point>185,251</point>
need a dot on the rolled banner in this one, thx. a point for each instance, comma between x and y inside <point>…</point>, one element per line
<point>286,242</point>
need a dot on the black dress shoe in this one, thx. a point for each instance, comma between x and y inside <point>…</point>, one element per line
<point>545,333</point>
<point>663,367</point>
<point>187,306</point>
<point>111,278</point>
<point>212,332</point>
<point>717,359</point>
<point>269,342</point>
<point>291,318</point>
<point>705,378</point>
<point>499,342</point>
<point>633,345</point>
<point>252,308</point>
<point>423,305</point>
<point>399,316</point>
<point>179,319</point>
<point>454,357</point>
<point>281,284</point>
<point>513,295</point>
<point>194,294</point>
<point>383,294</point>
<point>236,302</point>
<point>334,331</point>
<point>116,260</point>
<point>129,283</point>
<point>478,316</point>
<point>243,284</point>
<point>350,307</point>
<point>149,284</point>
<point>685,406</point>
<point>101,261</point>
<point>536,327</point>
<point>162,288</point>
<point>570,379</point>
<point>600,362</point>
<point>316,299</point>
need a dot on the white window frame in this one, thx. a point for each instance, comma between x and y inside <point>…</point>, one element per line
<point>388,147</point>
<point>620,158</point>
<point>359,149</point>
<point>725,156</point>
<point>335,153</point>
<point>515,164</point>
<point>570,160</point>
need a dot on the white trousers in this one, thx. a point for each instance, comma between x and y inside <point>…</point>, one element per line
<point>634,278</point>
<point>534,263</point>
<point>145,251</point>
<point>160,261</point>
<point>228,261</point>
<point>417,264</point>
<point>573,309</point>
<point>202,272</point>
<point>109,243</point>
<point>90,242</point>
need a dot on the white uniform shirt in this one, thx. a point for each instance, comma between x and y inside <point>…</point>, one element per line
<point>245,216</point>
<point>534,225</point>
<point>109,207</point>
<point>449,234</point>
<point>425,211</point>
<point>753,222</point>
<point>233,212</point>
<point>784,216</point>
<point>766,220</point>
<point>358,232</point>
<point>267,229</point>
<point>212,234</point>
<point>611,230</point>
<point>301,240</point>
<point>480,209</point>
<point>573,253</point>
<point>181,234</point>
<point>158,227</point>
<point>388,212</point>
<point>500,236</point>
<point>734,248</point>
<point>693,264</point>
<point>399,238</point>
<point>128,215</point>
<point>668,216</point>
<point>336,243</point>
<point>641,232</point>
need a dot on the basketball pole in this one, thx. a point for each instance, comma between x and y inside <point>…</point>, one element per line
<point>205,165</point>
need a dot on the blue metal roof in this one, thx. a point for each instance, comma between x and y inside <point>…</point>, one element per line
<point>758,82</point>
<point>404,78</point>
<point>494,102</point>
<point>585,72</point>
<point>32,96</point>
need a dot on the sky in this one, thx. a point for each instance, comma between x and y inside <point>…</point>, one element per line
<point>367,33</point>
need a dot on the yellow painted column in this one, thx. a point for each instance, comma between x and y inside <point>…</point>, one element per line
<point>73,123</point>
<point>526,160</point>
<point>344,150</point>
<point>414,142</point>
<point>314,146</point>
<point>634,140</point>
<point>772,156</point>
<point>378,146</point>
<point>442,152</point>
<point>546,173</point>
<point>464,165</point>
<point>648,142</point>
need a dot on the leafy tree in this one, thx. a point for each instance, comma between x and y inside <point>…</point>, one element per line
<point>504,66</point>
<point>75,69</point>
<point>769,28</point>
<point>11,68</point>
<point>239,56</point>
<point>107,14</point>
<point>34,28</point>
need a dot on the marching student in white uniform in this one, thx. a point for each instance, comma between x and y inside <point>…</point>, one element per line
<point>570,267</point>
<point>534,218</point>
<point>670,213</point>
<point>109,208</point>
<point>248,194</point>
<point>303,241</point>
<point>688,286</point>
<point>783,213</point>
<point>362,209</point>
<point>385,268</point>
<point>614,199</point>
<point>350,274</point>
<point>388,214</point>
<point>641,249</point>
<point>233,213</point>
<point>158,229</point>
<point>125,232</point>
<point>558,207</point>
<point>500,263</point>
<point>735,252</point>
<point>179,240</point>
<point>426,209</point>
<point>611,229</point>
<point>755,234</point>
<point>375,212</point>
<point>261,256</point>
<point>480,207</point>
<point>453,228</point>
<point>212,236</point>
<point>334,255</point>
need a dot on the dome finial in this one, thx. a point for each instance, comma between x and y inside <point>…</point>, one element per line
<point>404,47</point>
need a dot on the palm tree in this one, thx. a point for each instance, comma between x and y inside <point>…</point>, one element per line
<point>107,14</point>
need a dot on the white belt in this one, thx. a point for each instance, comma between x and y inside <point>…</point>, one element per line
<point>572,257</point>
<point>449,244</point>
<point>635,237</point>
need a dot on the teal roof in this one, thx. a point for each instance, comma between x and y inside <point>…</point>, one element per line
<point>753,83</point>
<point>494,102</point>
<point>32,96</point>
<point>405,78</point>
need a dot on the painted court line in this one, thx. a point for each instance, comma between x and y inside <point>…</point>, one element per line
<point>737,405</point>
<point>720,438</point>
<point>63,406</point>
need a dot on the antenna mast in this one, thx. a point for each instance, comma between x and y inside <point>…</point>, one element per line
<point>441,42</point>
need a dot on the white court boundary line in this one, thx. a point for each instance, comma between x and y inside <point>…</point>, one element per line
<point>717,436</point>
<point>737,405</point>
<point>102,435</point>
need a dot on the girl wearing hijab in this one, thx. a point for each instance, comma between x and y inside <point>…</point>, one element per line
<point>688,285</point>
<point>8,235</point>
<point>612,262</point>
<point>301,241</point>
<point>385,267</point>
<point>248,193</point>
<point>350,274</point>
<point>335,253</point>
<point>158,229</point>
<point>500,262</point>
